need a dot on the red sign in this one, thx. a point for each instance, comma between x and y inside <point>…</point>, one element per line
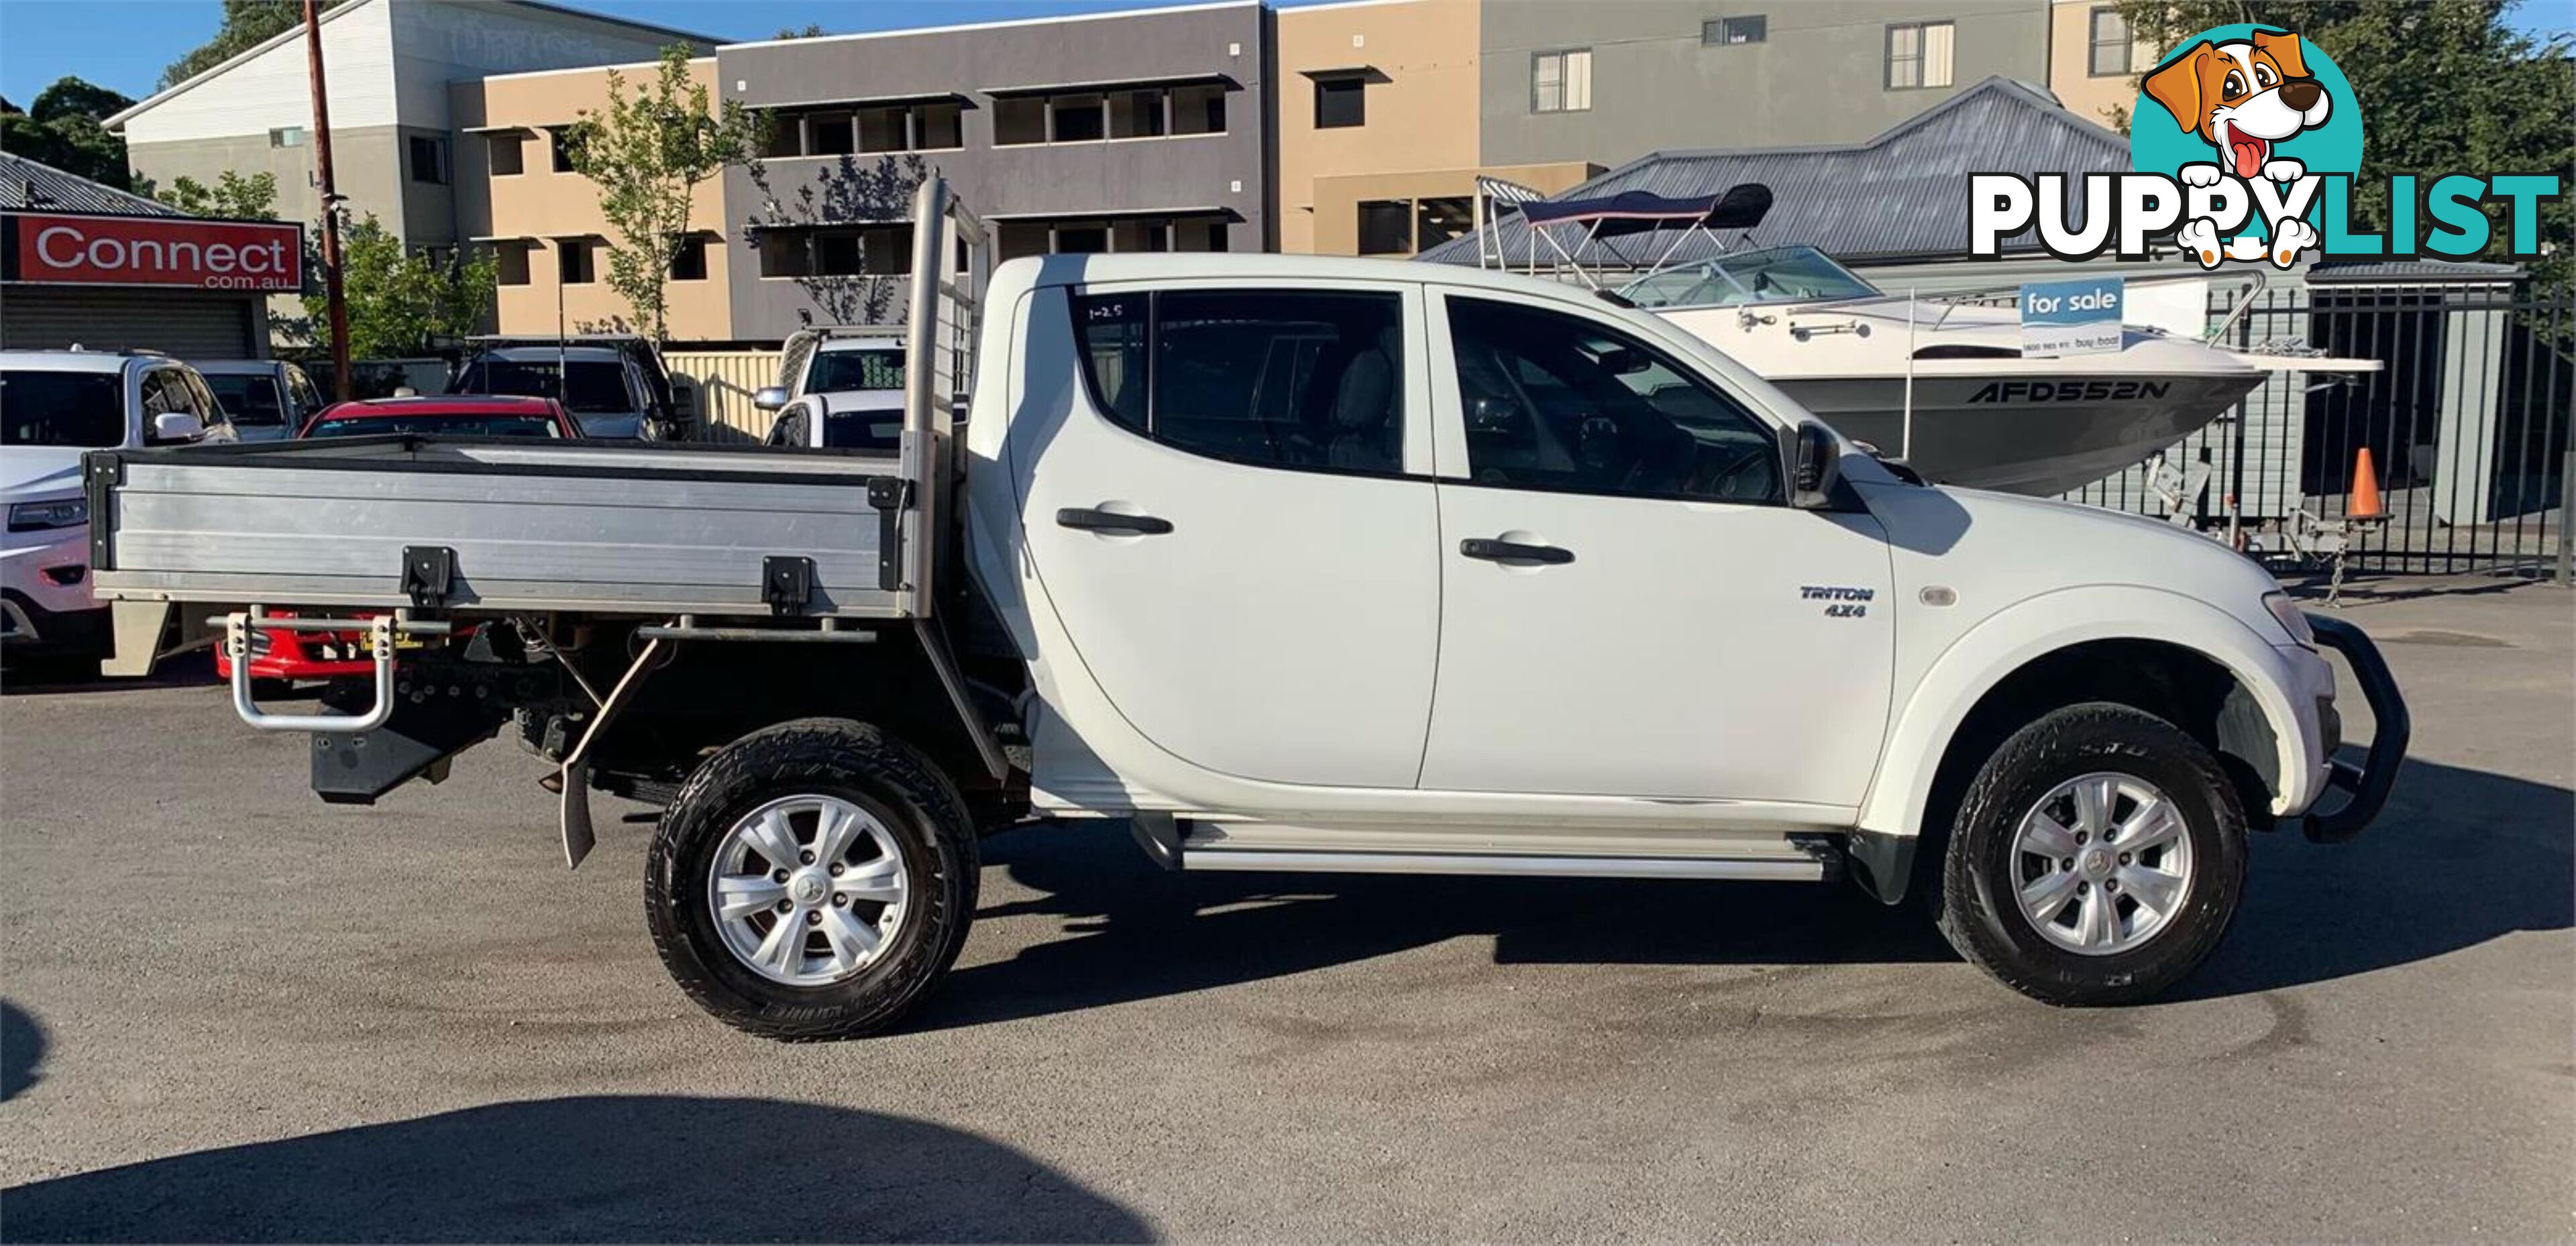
<point>156,251</point>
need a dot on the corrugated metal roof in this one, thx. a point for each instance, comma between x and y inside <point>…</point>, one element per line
<point>26,184</point>
<point>2447,271</point>
<point>1903,194</point>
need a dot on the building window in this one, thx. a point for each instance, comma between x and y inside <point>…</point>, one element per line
<point>1076,119</point>
<point>847,251</point>
<point>560,144</point>
<point>689,260</point>
<point>510,263</point>
<point>1199,109</point>
<point>1406,226</point>
<point>1138,114</point>
<point>288,136</point>
<point>506,153</point>
<point>1386,226</point>
<point>1341,102</point>
<point>1561,81</point>
<point>1918,55</point>
<point>573,262</point>
<point>1123,235</point>
<point>429,160</point>
<point>1728,31</point>
<point>2110,40</point>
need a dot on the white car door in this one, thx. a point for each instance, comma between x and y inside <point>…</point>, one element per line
<point>1231,512</point>
<point>1629,608</point>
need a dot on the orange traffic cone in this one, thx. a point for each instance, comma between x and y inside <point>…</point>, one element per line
<point>2365,488</point>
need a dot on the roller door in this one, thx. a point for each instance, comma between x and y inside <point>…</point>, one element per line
<point>186,323</point>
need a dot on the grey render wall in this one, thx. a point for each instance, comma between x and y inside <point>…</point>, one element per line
<point>1122,176</point>
<point>1819,76</point>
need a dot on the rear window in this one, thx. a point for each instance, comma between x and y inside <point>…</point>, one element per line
<point>592,387</point>
<point>838,370</point>
<point>1279,378</point>
<point>249,401</point>
<point>62,408</point>
<point>442,425</point>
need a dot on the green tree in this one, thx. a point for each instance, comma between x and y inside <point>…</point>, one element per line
<point>246,25</point>
<point>398,299</point>
<point>813,30</point>
<point>2445,86</point>
<point>252,198</point>
<point>648,152</point>
<point>62,128</point>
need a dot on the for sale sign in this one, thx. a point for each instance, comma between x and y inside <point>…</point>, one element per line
<point>2070,317</point>
<point>48,248</point>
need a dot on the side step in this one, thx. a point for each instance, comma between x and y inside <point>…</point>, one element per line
<point>1190,844</point>
<point>1811,868</point>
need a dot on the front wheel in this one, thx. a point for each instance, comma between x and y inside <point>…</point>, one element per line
<point>812,880</point>
<point>2096,859</point>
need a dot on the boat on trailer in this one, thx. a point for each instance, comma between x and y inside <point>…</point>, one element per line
<point>1938,382</point>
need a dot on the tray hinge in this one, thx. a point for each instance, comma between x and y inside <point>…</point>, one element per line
<point>891,495</point>
<point>427,571</point>
<point>787,583</point>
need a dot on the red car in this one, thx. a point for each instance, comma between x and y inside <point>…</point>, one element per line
<point>285,657</point>
<point>453,415</point>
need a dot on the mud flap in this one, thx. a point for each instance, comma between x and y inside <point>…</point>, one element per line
<point>574,819</point>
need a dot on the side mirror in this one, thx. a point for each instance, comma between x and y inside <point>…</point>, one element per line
<point>177,426</point>
<point>684,400</point>
<point>1622,361</point>
<point>1815,465</point>
<point>769,397</point>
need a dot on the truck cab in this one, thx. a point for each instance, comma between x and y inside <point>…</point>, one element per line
<point>839,388</point>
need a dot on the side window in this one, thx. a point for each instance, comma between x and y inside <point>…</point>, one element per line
<point>307,399</point>
<point>201,399</point>
<point>1275,378</point>
<point>1554,401</point>
<point>162,394</point>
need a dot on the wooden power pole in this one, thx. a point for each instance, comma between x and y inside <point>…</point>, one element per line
<point>341,388</point>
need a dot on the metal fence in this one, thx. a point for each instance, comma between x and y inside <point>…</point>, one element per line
<point>2464,432</point>
<point>725,382</point>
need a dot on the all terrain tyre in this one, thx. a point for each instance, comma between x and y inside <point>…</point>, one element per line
<point>812,880</point>
<point>2097,858</point>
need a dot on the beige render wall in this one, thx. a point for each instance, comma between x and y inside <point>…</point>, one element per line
<point>2070,65</point>
<point>542,204</point>
<point>1421,116</point>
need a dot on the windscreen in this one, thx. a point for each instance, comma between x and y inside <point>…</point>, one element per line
<point>249,401</point>
<point>441,425</point>
<point>1773,275</point>
<point>594,387</point>
<point>61,408</point>
<point>838,370</point>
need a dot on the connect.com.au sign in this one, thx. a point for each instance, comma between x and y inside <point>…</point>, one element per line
<point>63,249</point>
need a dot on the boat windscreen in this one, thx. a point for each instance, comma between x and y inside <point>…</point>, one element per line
<point>1770,275</point>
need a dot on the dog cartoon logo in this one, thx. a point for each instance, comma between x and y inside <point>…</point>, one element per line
<point>2250,98</point>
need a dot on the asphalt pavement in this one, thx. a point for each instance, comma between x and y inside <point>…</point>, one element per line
<point>228,1011</point>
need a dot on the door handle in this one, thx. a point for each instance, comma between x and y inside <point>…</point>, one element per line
<point>1087,519</point>
<point>1492,550</point>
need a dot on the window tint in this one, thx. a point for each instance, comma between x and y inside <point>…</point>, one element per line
<point>874,368</point>
<point>1277,378</point>
<point>62,409</point>
<point>250,401</point>
<point>596,387</point>
<point>1561,402</point>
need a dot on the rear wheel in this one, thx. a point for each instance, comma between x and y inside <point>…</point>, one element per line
<point>2097,858</point>
<point>812,880</point>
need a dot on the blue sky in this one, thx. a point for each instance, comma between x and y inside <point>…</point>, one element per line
<point>124,43</point>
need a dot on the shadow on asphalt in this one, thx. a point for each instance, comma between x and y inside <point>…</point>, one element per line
<point>45,678</point>
<point>22,1050</point>
<point>600,1168</point>
<point>2460,857</point>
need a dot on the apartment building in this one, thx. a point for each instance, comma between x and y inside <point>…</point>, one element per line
<point>389,66</point>
<point>1139,131</point>
<point>517,194</point>
<point>2093,60</point>
<point>1377,141</point>
<point>1612,80</point>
